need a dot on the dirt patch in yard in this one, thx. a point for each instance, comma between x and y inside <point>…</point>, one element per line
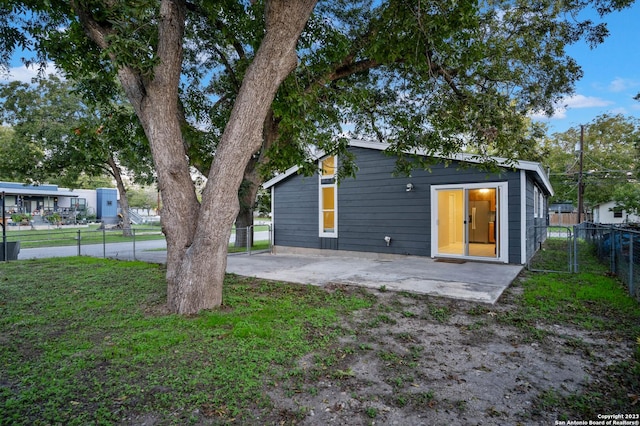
<point>419,360</point>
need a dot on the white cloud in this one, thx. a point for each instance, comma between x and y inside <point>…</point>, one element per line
<point>571,102</point>
<point>558,114</point>
<point>26,75</point>
<point>622,84</point>
<point>619,110</point>
<point>581,101</point>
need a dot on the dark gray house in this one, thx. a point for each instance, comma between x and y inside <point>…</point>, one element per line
<point>448,211</point>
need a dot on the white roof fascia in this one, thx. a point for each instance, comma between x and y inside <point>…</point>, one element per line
<point>470,158</point>
<point>38,192</point>
<point>291,170</point>
<point>282,176</point>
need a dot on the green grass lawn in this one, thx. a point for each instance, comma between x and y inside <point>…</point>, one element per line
<point>257,245</point>
<point>586,299</point>
<point>591,301</point>
<point>88,341</point>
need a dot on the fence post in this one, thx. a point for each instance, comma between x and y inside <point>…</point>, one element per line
<point>5,246</point>
<point>104,243</point>
<point>249,239</point>
<point>575,248</point>
<point>631,287</point>
<point>570,254</point>
<point>133,234</point>
<point>612,252</point>
<point>79,236</point>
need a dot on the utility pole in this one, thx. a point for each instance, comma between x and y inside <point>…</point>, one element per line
<point>580,183</point>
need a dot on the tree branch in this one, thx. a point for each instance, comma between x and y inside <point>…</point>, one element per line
<point>220,26</point>
<point>447,75</point>
<point>98,33</point>
<point>228,67</point>
<point>95,31</point>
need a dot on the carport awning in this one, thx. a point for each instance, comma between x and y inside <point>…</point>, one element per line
<point>38,192</point>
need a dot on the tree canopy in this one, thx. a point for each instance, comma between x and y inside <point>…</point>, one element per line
<point>442,77</point>
<point>59,137</point>
<point>437,76</point>
<point>56,135</point>
<point>228,86</point>
<point>610,158</point>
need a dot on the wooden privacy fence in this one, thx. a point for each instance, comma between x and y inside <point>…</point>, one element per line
<point>563,219</point>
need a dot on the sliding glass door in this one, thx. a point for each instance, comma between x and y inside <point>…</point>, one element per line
<point>466,220</point>
<point>451,238</point>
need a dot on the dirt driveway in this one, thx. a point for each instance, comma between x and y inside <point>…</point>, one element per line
<point>432,361</point>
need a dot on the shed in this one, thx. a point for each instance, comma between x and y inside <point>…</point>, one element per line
<point>107,205</point>
<point>448,211</point>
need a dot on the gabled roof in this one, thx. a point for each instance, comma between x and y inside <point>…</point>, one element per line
<point>530,166</point>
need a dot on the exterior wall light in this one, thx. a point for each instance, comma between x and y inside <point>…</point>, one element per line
<point>409,187</point>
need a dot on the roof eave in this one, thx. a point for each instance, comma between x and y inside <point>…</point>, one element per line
<point>470,158</point>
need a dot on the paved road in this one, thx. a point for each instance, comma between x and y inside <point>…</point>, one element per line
<point>148,251</point>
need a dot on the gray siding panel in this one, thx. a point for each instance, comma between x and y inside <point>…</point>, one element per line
<point>376,204</point>
<point>530,220</point>
<point>514,217</point>
<point>329,243</point>
<point>295,216</point>
<point>536,227</point>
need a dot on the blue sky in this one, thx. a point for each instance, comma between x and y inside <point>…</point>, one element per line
<point>611,75</point>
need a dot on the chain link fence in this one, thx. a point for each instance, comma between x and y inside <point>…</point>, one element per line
<point>617,247</point>
<point>559,241</point>
<point>143,243</point>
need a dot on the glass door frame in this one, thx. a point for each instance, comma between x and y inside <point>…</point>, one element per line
<point>502,220</point>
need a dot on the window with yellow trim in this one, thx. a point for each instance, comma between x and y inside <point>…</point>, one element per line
<point>329,166</point>
<point>328,198</point>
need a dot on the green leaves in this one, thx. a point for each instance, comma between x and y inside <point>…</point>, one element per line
<point>56,135</point>
<point>627,197</point>
<point>439,76</point>
<point>610,158</point>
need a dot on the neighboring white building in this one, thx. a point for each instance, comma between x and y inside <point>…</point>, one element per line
<point>43,200</point>
<point>609,213</point>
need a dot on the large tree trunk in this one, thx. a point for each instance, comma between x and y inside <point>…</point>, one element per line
<point>124,201</point>
<point>198,234</point>
<point>201,274</point>
<point>247,197</point>
<point>244,225</point>
<point>156,104</point>
<point>155,101</point>
<point>252,180</point>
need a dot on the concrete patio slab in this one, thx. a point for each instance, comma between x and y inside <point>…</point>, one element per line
<point>473,281</point>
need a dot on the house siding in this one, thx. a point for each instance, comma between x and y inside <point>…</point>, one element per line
<point>515,223</point>
<point>603,213</point>
<point>295,212</point>
<point>535,226</point>
<point>376,204</point>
